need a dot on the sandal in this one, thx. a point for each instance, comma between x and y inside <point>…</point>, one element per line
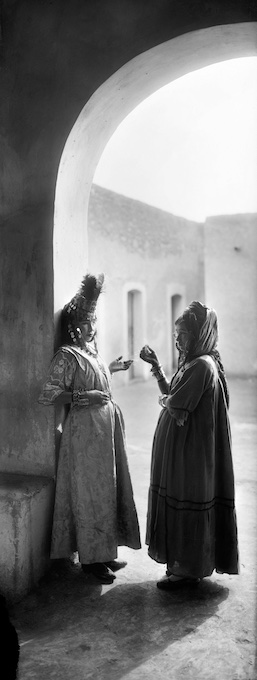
<point>100,571</point>
<point>115,565</point>
<point>167,584</point>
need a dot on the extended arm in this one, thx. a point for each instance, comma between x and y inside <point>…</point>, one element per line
<point>149,355</point>
<point>119,365</point>
<point>58,387</point>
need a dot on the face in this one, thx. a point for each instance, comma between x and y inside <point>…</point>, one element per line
<point>88,329</point>
<point>181,337</point>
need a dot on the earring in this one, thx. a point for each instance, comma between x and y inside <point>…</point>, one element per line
<point>71,333</point>
<point>79,332</point>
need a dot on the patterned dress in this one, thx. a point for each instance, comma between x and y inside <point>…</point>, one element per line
<point>191,524</point>
<point>94,507</point>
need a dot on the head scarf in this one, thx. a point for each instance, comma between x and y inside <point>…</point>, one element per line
<point>202,326</point>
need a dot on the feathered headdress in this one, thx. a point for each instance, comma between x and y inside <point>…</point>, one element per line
<point>82,306</point>
<point>88,294</point>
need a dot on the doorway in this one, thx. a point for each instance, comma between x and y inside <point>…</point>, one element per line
<point>175,311</point>
<point>135,331</point>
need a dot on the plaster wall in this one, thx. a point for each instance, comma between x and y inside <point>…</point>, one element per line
<point>231,288</point>
<point>140,247</point>
<point>26,504</point>
<point>143,248</point>
<point>25,341</point>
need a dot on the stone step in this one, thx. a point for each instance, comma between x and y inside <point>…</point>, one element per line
<point>26,508</point>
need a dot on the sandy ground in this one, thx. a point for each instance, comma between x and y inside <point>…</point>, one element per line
<point>72,628</point>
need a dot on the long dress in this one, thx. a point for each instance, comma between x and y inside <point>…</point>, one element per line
<point>94,508</point>
<point>191,522</point>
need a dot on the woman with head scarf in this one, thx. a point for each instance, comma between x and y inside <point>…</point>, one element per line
<point>191,521</point>
<point>94,507</point>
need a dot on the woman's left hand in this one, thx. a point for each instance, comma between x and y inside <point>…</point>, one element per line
<point>119,365</point>
<point>149,355</point>
<point>162,400</point>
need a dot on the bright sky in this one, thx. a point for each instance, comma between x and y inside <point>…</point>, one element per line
<point>190,148</point>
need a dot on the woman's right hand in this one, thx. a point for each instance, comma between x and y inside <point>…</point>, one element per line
<point>90,397</point>
<point>97,397</point>
<point>149,355</point>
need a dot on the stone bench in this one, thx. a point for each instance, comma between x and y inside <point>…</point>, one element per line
<point>26,508</point>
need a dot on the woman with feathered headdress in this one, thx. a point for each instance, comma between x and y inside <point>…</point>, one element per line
<point>191,523</point>
<point>94,507</point>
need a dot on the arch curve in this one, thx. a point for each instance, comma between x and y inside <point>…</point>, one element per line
<point>101,115</point>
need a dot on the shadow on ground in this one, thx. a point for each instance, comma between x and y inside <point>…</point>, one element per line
<point>73,627</point>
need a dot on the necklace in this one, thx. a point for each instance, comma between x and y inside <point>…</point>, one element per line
<point>91,351</point>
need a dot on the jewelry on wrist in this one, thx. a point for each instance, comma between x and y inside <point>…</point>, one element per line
<point>158,372</point>
<point>76,394</point>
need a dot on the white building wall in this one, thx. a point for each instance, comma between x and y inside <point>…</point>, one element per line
<point>140,247</point>
<point>231,288</point>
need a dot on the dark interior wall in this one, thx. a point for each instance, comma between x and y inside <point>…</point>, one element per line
<point>54,55</point>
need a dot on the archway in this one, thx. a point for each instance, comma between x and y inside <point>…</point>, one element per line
<point>100,117</point>
<point>176,308</point>
<point>176,300</point>
<point>134,327</point>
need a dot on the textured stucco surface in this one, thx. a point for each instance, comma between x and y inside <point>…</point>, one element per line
<point>231,287</point>
<point>26,341</point>
<point>26,504</point>
<point>143,230</point>
<point>214,262</point>
<point>140,247</point>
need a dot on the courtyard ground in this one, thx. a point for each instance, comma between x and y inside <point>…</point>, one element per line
<point>72,628</point>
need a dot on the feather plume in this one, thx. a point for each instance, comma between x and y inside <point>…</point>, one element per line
<point>91,287</point>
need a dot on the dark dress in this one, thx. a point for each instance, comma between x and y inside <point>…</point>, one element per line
<point>191,523</point>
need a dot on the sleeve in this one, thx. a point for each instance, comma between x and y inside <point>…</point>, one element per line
<point>186,394</point>
<point>179,414</point>
<point>60,377</point>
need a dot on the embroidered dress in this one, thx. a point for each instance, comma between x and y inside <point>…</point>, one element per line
<point>191,523</point>
<point>94,507</point>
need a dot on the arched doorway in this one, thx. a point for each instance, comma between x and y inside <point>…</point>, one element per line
<point>98,120</point>
<point>176,309</point>
<point>176,296</point>
<point>134,328</point>
<point>134,305</point>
